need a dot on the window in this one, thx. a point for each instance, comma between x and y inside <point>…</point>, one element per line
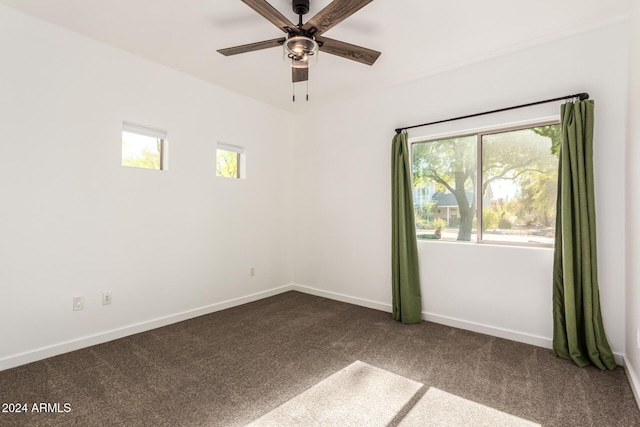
<point>143,147</point>
<point>229,161</point>
<point>514,190</point>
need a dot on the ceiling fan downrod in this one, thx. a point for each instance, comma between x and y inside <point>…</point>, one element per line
<point>300,7</point>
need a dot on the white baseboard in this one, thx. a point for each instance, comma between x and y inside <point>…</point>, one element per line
<point>343,298</point>
<point>522,337</point>
<point>633,381</point>
<point>87,341</point>
<point>435,318</point>
<point>494,331</point>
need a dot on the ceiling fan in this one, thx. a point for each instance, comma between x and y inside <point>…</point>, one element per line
<point>303,41</point>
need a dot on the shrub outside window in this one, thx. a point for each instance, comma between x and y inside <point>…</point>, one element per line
<point>510,199</point>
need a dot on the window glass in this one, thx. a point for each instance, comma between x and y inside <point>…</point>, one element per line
<point>229,161</point>
<point>227,164</point>
<point>517,183</point>
<point>143,147</point>
<point>444,177</point>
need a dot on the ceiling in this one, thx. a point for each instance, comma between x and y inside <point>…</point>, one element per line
<point>416,38</point>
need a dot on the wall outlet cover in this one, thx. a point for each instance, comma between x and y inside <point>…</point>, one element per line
<point>106,298</point>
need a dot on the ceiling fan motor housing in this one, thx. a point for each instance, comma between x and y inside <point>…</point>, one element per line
<point>300,7</point>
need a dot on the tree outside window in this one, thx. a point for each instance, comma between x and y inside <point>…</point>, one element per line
<point>517,183</point>
<point>230,161</point>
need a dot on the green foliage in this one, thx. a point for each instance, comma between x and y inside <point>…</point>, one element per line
<point>429,207</point>
<point>439,224</point>
<point>504,223</point>
<point>428,236</point>
<point>422,223</point>
<point>227,163</point>
<point>490,219</point>
<point>535,204</point>
<point>510,155</point>
<point>553,132</point>
<point>424,214</point>
<point>147,159</point>
<point>446,163</point>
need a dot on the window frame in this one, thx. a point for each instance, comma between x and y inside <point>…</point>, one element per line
<point>150,132</point>
<point>479,133</point>
<point>240,159</point>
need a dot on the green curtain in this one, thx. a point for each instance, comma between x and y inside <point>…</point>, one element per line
<point>578,331</point>
<point>407,302</point>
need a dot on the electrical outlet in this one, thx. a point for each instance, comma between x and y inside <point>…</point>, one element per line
<point>106,298</point>
<point>78,303</point>
<point>252,272</point>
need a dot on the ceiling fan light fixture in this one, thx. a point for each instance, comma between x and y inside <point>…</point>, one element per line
<point>300,51</point>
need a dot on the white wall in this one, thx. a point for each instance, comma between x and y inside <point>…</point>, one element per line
<point>342,210</point>
<point>173,244</point>
<point>633,203</point>
<point>73,222</point>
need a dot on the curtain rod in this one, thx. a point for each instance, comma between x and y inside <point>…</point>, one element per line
<point>581,96</point>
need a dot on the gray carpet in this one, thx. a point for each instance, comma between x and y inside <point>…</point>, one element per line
<point>233,367</point>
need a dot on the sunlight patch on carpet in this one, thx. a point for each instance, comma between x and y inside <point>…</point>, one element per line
<point>440,408</point>
<point>363,395</point>
<point>358,395</point>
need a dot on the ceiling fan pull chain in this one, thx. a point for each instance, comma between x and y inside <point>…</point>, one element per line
<point>293,88</point>
<point>307,90</point>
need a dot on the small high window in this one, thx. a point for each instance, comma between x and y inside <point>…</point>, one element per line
<point>229,161</point>
<point>144,147</point>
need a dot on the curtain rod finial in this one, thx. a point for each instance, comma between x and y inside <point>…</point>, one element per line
<point>583,96</point>
<point>398,131</point>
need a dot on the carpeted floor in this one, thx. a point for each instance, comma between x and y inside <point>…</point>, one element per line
<point>232,367</point>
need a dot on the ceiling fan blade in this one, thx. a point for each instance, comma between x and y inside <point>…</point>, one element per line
<point>335,12</point>
<point>299,74</point>
<point>348,51</point>
<point>252,46</point>
<point>271,14</point>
